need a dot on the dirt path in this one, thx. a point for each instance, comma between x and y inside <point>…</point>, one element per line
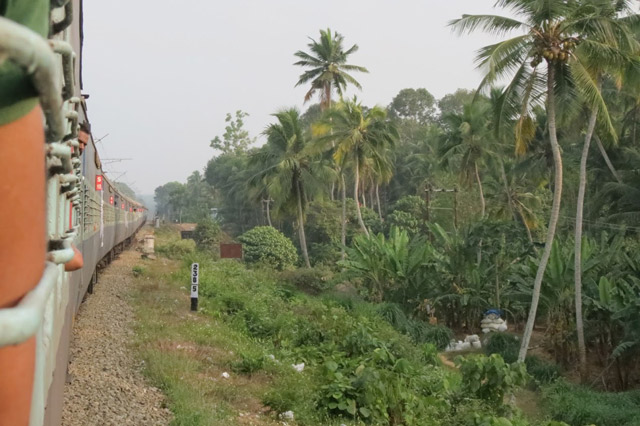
<point>106,386</point>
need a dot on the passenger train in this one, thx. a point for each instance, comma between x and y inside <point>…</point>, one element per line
<point>60,216</point>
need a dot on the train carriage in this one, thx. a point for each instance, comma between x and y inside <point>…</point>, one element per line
<point>60,215</point>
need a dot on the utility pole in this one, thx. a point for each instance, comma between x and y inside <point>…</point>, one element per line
<point>428,193</point>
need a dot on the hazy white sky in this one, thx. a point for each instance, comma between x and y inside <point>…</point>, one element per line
<point>163,74</point>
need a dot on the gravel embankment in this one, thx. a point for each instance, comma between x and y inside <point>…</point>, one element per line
<point>105,385</point>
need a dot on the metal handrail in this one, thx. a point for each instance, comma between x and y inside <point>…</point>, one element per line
<point>29,50</point>
<point>21,322</point>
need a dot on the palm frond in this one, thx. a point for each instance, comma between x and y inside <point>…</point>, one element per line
<point>493,24</point>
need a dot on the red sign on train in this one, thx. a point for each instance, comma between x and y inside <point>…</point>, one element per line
<point>98,182</point>
<point>111,200</point>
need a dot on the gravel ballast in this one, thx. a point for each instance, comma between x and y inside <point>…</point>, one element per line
<point>105,385</point>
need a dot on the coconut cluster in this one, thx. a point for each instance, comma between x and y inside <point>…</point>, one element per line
<point>558,51</point>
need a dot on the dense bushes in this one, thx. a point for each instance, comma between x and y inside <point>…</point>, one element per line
<point>323,228</point>
<point>309,280</point>
<point>419,331</point>
<point>508,345</point>
<point>207,235</point>
<point>267,245</point>
<point>175,249</point>
<point>409,213</point>
<point>490,378</point>
<point>357,367</point>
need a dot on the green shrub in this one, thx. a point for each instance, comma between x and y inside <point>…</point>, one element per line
<point>138,271</point>
<point>281,400</point>
<point>394,315</point>
<point>249,363</point>
<point>176,249</point>
<point>207,235</point>
<point>490,378</point>
<point>542,371</point>
<point>408,214</point>
<point>419,331</point>
<point>232,305</point>
<point>309,280</point>
<point>439,335</point>
<point>579,406</point>
<point>267,245</point>
<point>506,345</point>
<point>324,254</point>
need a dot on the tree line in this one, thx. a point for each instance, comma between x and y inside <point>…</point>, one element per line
<point>546,146</point>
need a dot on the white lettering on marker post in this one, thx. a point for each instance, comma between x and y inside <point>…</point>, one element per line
<point>195,277</point>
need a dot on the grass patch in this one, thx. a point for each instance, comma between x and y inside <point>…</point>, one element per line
<point>579,406</point>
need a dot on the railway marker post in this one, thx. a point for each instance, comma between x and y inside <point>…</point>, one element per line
<point>195,272</point>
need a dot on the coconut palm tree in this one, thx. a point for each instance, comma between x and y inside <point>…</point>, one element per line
<point>329,70</point>
<point>549,33</point>
<point>358,136</point>
<point>465,143</point>
<point>513,195</point>
<point>289,173</point>
<point>597,63</point>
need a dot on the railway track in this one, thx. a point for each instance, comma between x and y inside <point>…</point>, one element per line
<point>105,385</point>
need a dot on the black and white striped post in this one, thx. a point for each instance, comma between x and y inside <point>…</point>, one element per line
<point>195,272</point>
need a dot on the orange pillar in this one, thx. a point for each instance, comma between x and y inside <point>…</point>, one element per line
<point>22,250</point>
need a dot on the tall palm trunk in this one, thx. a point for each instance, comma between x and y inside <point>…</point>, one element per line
<point>327,96</point>
<point>553,219</point>
<point>582,349</point>
<point>516,215</point>
<point>301,234</point>
<point>372,190</point>
<point>355,196</point>
<point>363,194</point>
<point>378,201</point>
<point>607,160</point>
<point>269,212</point>
<point>343,230</point>
<point>507,191</point>
<point>483,204</point>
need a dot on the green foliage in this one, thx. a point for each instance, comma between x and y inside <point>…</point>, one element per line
<point>189,202</point>
<point>409,213</point>
<point>327,66</point>
<point>542,371</point>
<point>267,245</point>
<point>577,405</point>
<point>176,248</point>
<point>236,138</point>
<point>506,345</point>
<point>228,174</point>
<point>490,378</point>
<point>138,271</point>
<point>390,268</point>
<point>207,235</point>
<point>310,280</point>
<point>439,335</point>
<point>357,366</point>
<point>249,363</point>
<point>417,105</point>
